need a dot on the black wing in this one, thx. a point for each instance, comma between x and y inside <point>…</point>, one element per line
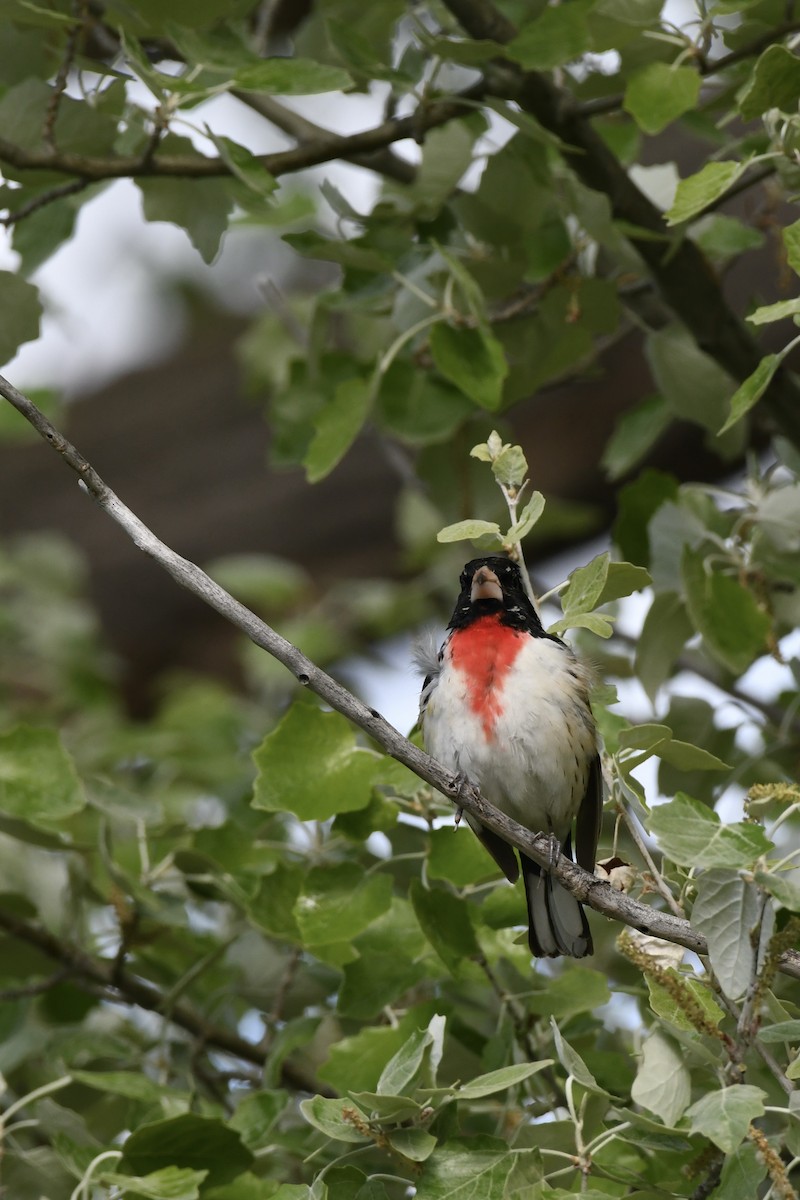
<point>590,816</point>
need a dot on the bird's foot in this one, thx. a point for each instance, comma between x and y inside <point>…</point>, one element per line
<point>461,783</point>
<point>553,851</point>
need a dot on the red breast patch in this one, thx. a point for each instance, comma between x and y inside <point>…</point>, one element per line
<point>485,651</point>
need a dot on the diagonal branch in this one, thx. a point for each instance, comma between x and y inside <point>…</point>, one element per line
<point>587,888</point>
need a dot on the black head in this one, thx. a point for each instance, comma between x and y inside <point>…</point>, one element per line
<point>494,585</point>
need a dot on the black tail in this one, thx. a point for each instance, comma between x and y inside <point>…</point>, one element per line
<point>556,922</point>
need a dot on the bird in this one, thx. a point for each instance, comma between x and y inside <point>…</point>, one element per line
<point>506,707</point>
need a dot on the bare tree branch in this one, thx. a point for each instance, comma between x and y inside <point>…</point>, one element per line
<point>383,162</point>
<point>587,888</point>
<point>309,154</point>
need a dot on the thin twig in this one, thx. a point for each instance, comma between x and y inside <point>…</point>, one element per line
<point>585,887</point>
<point>64,68</point>
<point>632,826</point>
<point>45,198</point>
<point>35,989</point>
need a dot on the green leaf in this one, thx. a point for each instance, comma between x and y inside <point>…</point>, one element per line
<point>422,1050</point>
<point>38,780</point>
<point>123,1083</point>
<point>355,1063</point>
<point>245,166</point>
<point>272,907</point>
<point>559,35</point>
<point>753,388</point>
<point>635,433</point>
<point>742,1174</point>
<point>458,856</point>
<point>201,207</point>
<point>415,1144</point>
<point>597,623</point>
<point>784,891</point>
<point>341,1119</point>
<point>723,238</point>
<point>725,1115</point>
<point>390,1108</point>
<point>791,243</point>
<point>169,1183</point>
<point>586,584</point>
<point>20,312</point>
<point>310,765</point>
<point>445,921</point>
<point>687,757</point>
<point>376,979</point>
<point>510,467</point>
<point>446,155</point>
<point>464,531</point>
<point>248,1186</point>
<point>774,82</point>
<point>637,503</point>
<point>337,903</point>
<point>418,408</point>
<point>727,614</point>
<point>255,1115</point>
<point>572,1062</point>
<point>623,579</point>
<point>665,632</point>
<point>693,835</point>
<point>663,1083</point>
<point>473,360</point>
<point>498,1081</point>
<point>726,912</point>
<point>698,191</point>
<point>782,1031</point>
<point>768,313</point>
<point>477,1167</point>
<point>527,518</point>
<point>192,1141</point>
<point>577,991</point>
<point>694,386</point>
<point>336,427</point>
<point>658,94</point>
<point>283,76</point>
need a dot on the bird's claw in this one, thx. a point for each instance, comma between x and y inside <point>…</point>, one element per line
<point>460,784</point>
<point>553,851</point>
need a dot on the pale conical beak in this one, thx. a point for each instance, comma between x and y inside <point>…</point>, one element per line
<point>485,586</point>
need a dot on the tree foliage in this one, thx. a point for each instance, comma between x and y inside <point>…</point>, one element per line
<point>243,955</point>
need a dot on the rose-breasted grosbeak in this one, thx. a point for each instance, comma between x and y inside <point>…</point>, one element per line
<point>508,708</point>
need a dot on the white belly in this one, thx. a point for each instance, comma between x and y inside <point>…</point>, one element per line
<point>533,761</point>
